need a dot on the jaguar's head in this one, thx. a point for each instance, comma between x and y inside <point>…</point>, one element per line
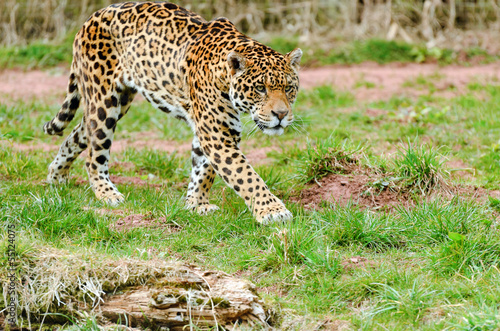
<point>264,84</point>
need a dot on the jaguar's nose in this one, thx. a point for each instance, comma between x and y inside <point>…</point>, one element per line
<point>280,114</point>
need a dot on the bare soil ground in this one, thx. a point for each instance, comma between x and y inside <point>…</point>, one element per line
<point>385,80</point>
<point>357,188</point>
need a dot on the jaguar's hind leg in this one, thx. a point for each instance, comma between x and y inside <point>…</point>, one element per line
<point>74,144</point>
<point>202,178</point>
<point>101,123</point>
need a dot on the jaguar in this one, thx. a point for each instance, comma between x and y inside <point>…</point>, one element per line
<point>205,73</point>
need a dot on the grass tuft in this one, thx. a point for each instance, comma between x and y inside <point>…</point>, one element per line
<point>466,255</point>
<point>324,157</point>
<point>421,168</point>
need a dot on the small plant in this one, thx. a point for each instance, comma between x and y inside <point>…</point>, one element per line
<point>410,302</point>
<point>463,255</point>
<point>494,203</point>
<point>420,114</point>
<point>321,158</point>
<point>421,168</point>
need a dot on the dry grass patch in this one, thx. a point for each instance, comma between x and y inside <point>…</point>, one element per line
<point>67,286</point>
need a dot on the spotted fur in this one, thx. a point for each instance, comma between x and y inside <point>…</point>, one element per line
<point>205,73</point>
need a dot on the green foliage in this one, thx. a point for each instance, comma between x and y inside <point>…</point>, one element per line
<point>410,303</point>
<point>420,167</point>
<point>349,225</point>
<point>38,54</point>
<point>159,163</point>
<point>431,222</point>
<point>321,158</point>
<point>466,255</point>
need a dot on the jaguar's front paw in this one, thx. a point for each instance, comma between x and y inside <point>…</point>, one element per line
<point>272,213</point>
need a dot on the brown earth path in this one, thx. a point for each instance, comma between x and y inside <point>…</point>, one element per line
<point>367,81</point>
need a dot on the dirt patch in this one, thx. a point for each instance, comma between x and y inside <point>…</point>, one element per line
<point>473,192</point>
<point>31,146</point>
<point>143,221</point>
<point>273,290</point>
<point>353,188</point>
<point>381,82</point>
<point>392,79</point>
<point>132,180</point>
<point>331,324</point>
<point>163,145</point>
<point>460,170</point>
<point>122,166</point>
<point>357,262</point>
<point>375,112</point>
<point>258,155</point>
<point>357,188</point>
<point>47,86</point>
<point>105,211</point>
<point>122,180</point>
<point>118,146</point>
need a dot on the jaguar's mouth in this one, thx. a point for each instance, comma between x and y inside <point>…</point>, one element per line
<point>275,130</point>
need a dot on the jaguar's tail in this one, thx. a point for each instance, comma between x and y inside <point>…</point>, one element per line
<point>68,109</point>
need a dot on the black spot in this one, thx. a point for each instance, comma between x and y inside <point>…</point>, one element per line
<point>101,114</point>
<point>101,159</point>
<point>108,103</point>
<point>198,151</point>
<point>72,88</point>
<point>106,144</point>
<point>100,134</point>
<point>124,99</point>
<point>110,122</point>
<point>62,117</point>
<point>229,160</point>
<point>74,103</point>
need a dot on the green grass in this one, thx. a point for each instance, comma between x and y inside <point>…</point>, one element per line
<point>420,167</point>
<point>376,50</point>
<point>38,54</point>
<point>431,266</point>
<point>324,157</point>
<point>43,54</point>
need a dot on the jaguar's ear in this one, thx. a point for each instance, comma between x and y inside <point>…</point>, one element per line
<point>294,58</point>
<point>236,63</point>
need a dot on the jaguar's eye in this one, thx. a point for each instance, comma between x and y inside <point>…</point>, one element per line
<point>288,88</point>
<point>260,88</point>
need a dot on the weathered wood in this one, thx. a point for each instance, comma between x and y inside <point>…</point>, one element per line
<point>207,300</point>
<point>133,292</point>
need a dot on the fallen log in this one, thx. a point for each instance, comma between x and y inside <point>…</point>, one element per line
<point>57,286</point>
